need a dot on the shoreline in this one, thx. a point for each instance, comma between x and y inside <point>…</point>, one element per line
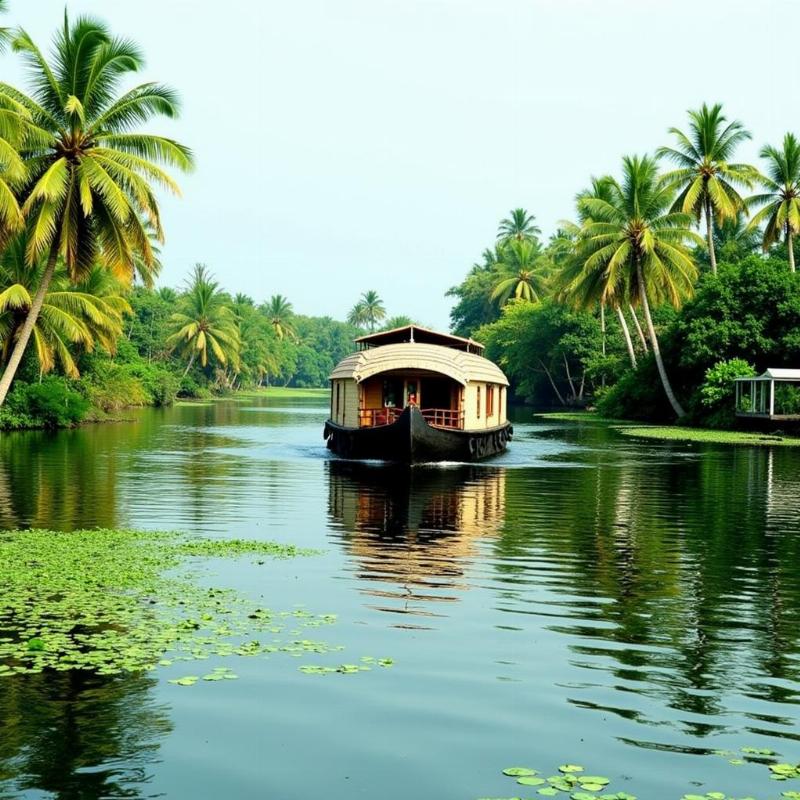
<point>677,433</point>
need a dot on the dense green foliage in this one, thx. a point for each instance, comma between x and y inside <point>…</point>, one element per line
<point>629,308</point>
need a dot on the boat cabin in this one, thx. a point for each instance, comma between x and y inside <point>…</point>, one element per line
<point>775,395</point>
<point>444,376</point>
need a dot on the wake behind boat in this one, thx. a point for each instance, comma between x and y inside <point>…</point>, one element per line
<point>415,395</point>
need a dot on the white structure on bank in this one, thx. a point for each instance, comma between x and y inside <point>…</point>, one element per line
<point>769,395</point>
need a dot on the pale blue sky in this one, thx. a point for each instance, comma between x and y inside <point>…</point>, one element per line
<point>357,144</point>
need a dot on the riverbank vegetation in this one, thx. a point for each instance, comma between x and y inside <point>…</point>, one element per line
<point>672,280</point>
<point>83,330</point>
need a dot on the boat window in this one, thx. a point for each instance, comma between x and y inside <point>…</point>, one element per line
<point>489,400</point>
<point>479,401</point>
<point>338,386</point>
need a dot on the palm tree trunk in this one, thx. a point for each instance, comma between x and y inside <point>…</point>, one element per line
<point>569,377</point>
<point>637,324</point>
<point>710,235</point>
<point>553,383</point>
<point>189,365</point>
<point>673,401</point>
<point>603,328</point>
<point>627,334</point>
<point>790,248</point>
<point>28,325</point>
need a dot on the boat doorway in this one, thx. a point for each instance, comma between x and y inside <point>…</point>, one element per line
<point>438,393</point>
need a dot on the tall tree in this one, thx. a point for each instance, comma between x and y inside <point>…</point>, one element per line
<point>708,183</point>
<point>522,272</point>
<point>204,323</point>
<point>584,288</point>
<point>280,313</point>
<point>73,317</point>
<point>637,246</point>
<point>781,201</point>
<point>369,310</point>
<point>89,192</point>
<point>518,226</point>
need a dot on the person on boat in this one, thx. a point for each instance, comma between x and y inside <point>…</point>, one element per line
<point>412,398</point>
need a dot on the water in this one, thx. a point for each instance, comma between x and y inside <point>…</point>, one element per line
<point>591,598</point>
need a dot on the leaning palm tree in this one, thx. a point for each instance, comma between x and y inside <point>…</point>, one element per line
<point>519,226</point>
<point>781,201</point>
<point>371,309</point>
<point>280,313</point>
<point>708,183</point>
<point>73,317</point>
<point>204,324</point>
<point>522,273</point>
<point>634,245</point>
<point>89,194</point>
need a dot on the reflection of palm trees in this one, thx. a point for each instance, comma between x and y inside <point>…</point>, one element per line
<point>678,582</point>
<point>76,735</point>
<point>414,529</point>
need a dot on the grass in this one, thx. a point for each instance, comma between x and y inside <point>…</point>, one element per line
<point>674,433</point>
<point>284,392</point>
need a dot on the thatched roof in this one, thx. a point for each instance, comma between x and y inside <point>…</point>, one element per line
<point>459,365</point>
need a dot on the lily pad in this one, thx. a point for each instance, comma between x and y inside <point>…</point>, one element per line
<point>518,772</point>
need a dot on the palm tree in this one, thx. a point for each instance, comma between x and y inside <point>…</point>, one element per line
<point>522,272</point>
<point>519,226</point>
<point>706,179</point>
<point>583,289</point>
<point>635,245</point>
<point>89,189</point>
<point>280,313</point>
<point>72,316</point>
<point>369,310</point>
<point>400,321</point>
<point>204,322</point>
<point>781,201</point>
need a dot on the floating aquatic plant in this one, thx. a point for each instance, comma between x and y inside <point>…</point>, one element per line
<point>116,601</point>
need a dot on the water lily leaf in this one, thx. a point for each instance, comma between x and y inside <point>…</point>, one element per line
<point>570,768</point>
<point>593,779</point>
<point>548,791</point>
<point>531,781</point>
<point>518,772</point>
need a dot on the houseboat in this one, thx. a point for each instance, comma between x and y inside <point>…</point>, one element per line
<point>416,395</point>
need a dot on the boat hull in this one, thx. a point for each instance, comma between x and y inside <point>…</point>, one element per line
<point>411,440</point>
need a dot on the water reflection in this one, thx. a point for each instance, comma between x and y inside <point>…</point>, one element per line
<point>78,736</point>
<point>414,530</point>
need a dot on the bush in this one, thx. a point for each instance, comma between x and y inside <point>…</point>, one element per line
<point>49,404</point>
<point>717,393</point>
<point>638,394</point>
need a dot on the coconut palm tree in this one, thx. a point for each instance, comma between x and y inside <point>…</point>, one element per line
<point>635,245</point>
<point>204,324</point>
<point>582,288</point>
<point>280,313</point>
<point>369,310</point>
<point>706,180</point>
<point>518,226</point>
<point>89,194</point>
<point>781,201</point>
<point>73,317</point>
<point>522,272</point>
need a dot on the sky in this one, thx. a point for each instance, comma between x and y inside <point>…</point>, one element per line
<point>346,145</point>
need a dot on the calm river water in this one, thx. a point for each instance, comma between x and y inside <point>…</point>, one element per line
<point>586,598</point>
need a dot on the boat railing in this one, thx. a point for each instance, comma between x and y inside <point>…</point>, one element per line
<point>436,417</point>
<point>444,417</point>
<point>374,417</point>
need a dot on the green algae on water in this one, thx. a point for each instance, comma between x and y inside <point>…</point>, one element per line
<point>116,601</point>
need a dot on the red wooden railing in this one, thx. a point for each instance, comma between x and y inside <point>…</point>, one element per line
<point>437,417</point>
